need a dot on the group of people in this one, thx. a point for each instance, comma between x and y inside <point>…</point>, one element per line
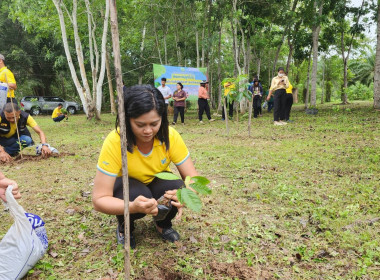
<point>179,96</point>
<point>280,98</point>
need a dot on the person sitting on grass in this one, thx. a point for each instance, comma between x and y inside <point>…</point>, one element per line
<point>4,183</point>
<point>57,115</point>
<point>152,146</point>
<point>13,117</point>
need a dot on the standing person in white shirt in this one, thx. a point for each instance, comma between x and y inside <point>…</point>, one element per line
<point>165,91</point>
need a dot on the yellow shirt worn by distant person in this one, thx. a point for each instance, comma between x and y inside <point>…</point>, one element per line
<point>56,113</point>
<point>289,90</point>
<point>29,122</point>
<point>6,76</point>
<point>228,87</point>
<point>142,167</point>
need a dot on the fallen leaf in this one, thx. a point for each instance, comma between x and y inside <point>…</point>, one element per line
<point>192,239</point>
<point>70,211</point>
<point>53,254</point>
<point>81,236</point>
<point>224,238</point>
<point>85,193</point>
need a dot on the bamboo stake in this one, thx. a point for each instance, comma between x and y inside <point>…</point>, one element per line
<point>123,133</point>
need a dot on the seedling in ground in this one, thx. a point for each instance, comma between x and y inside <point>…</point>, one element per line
<point>185,194</point>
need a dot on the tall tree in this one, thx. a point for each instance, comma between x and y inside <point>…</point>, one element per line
<point>376,88</point>
<point>316,28</point>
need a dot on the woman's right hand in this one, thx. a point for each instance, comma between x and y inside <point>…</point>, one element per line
<point>145,205</point>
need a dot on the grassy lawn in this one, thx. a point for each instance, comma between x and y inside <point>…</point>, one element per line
<point>300,201</point>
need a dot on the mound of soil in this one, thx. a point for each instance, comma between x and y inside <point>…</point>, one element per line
<point>25,158</point>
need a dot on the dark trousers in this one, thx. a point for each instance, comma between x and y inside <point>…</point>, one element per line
<point>270,106</point>
<point>256,105</point>
<point>288,105</point>
<point>203,106</point>
<point>9,100</point>
<point>180,110</point>
<point>230,107</point>
<point>59,118</point>
<point>12,146</point>
<point>155,190</point>
<point>279,105</point>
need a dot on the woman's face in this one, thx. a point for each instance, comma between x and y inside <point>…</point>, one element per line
<point>146,126</point>
<point>178,87</point>
<point>281,73</point>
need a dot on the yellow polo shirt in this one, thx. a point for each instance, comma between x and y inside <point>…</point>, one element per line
<point>289,90</point>
<point>141,166</point>
<point>228,87</point>
<point>6,76</point>
<point>29,122</point>
<point>56,113</point>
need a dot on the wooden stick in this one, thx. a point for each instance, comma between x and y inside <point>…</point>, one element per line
<point>123,132</point>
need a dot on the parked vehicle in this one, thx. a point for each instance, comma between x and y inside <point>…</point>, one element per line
<point>35,105</point>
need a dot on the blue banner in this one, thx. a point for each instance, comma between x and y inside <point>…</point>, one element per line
<point>188,76</point>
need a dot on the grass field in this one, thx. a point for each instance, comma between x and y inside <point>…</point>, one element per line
<point>300,201</point>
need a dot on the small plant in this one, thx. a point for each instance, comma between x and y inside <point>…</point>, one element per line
<point>185,195</point>
<point>64,111</point>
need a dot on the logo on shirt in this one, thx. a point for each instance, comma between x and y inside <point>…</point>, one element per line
<point>163,161</point>
<point>106,163</point>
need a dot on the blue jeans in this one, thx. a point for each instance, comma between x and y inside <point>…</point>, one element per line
<point>11,145</point>
<point>58,119</point>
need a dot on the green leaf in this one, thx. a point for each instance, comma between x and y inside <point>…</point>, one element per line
<point>167,176</point>
<point>187,180</point>
<point>179,195</point>
<point>200,188</point>
<point>191,200</point>
<point>200,180</point>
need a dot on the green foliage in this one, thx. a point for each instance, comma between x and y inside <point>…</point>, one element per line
<point>358,91</point>
<point>185,195</point>
<point>240,89</point>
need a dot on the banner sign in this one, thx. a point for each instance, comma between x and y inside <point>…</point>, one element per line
<point>188,76</point>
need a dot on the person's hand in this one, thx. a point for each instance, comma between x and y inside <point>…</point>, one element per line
<point>268,98</point>
<point>145,205</point>
<point>5,157</point>
<point>172,195</point>
<point>4,183</point>
<point>45,151</point>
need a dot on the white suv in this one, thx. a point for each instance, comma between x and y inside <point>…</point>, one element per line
<point>35,105</point>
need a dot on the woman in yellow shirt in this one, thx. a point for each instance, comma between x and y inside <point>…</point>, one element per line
<point>152,145</point>
<point>279,85</point>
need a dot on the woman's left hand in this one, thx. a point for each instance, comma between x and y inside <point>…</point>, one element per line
<point>172,196</point>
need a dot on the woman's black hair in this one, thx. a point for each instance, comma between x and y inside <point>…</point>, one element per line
<point>280,68</point>
<point>180,84</point>
<point>139,100</point>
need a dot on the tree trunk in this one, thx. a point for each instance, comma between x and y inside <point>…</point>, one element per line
<point>81,91</point>
<point>141,73</point>
<point>316,29</point>
<point>123,134</point>
<point>219,68</point>
<point>376,85</point>
<point>156,38</point>
<point>99,88</point>
<point>307,83</point>
<point>110,86</point>
<point>250,115</point>
<point>203,33</point>
<point>226,115</point>
<point>323,81</point>
<point>295,95</point>
<point>290,43</point>
<point>197,47</point>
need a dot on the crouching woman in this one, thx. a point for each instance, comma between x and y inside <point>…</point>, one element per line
<point>152,146</point>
